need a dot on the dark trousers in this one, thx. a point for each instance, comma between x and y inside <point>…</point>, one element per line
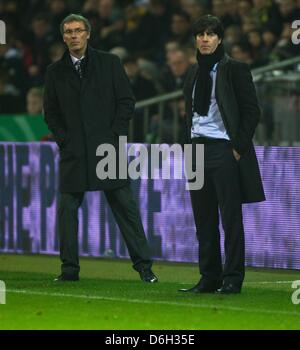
<point>221,190</point>
<point>127,216</point>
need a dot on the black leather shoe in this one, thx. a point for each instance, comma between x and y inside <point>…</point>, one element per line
<point>204,286</point>
<point>148,276</point>
<point>229,289</point>
<point>64,278</point>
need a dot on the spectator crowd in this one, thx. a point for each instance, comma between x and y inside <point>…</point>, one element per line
<point>152,38</point>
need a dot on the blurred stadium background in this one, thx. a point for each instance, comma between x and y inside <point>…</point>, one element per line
<point>154,42</point>
<point>153,39</point>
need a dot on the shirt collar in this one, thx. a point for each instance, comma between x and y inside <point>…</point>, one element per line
<point>214,68</point>
<point>75,59</point>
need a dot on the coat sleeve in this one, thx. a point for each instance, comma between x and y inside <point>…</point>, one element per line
<point>249,110</point>
<point>125,100</point>
<point>52,113</point>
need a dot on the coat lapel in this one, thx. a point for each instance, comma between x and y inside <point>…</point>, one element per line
<point>71,76</point>
<point>221,76</point>
<point>188,90</point>
<point>90,69</point>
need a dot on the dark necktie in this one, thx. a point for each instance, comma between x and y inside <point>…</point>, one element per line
<point>78,67</point>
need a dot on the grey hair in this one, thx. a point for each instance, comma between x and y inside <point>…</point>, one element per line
<point>75,18</point>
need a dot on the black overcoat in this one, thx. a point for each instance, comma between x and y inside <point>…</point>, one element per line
<point>85,113</point>
<point>238,105</point>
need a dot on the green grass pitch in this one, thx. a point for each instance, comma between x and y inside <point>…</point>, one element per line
<point>110,296</point>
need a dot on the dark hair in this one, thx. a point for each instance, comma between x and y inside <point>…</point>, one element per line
<point>208,22</point>
<point>75,18</point>
<point>41,17</point>
<point>244,46</point>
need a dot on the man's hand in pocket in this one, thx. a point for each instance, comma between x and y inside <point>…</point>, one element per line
<point>237,156</point>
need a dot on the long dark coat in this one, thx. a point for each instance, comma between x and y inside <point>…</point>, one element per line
<point>238,105</point>
<point>85,113</point>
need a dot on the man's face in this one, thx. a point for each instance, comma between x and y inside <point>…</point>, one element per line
<point>76,36</point>
<point>207,42</point>
<point>218,8</point>
<point>179,25</point>
<point>238,54</point>
<point>286,7</point>
<point>178,63</point>
<point>40,27</point>
<point>57,6</point>
<point>34,104</point>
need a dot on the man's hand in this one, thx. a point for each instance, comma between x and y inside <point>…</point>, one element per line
<point>236,155</point>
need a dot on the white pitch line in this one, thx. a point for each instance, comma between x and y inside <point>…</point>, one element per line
<point>259,282</point>
<point>151,302</point>
<point>270,282</point>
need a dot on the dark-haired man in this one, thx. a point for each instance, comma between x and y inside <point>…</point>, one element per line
<point>88,102</point>
<point>222,113</point>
